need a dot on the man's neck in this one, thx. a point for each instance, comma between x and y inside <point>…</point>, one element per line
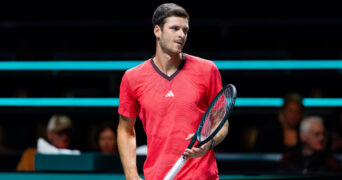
<point>168,64</point>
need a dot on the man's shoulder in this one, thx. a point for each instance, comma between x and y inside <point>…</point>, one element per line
<point>138,74</point>
<point>200,63</point>
<point>141,68</point>
<point>199,60</point>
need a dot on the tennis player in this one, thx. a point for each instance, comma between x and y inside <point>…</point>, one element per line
<point>170,93</point>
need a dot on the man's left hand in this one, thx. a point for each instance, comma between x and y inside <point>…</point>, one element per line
<point>196,151</point>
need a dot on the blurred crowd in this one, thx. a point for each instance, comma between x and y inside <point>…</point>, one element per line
<point>59,136</point>
<point>306,141</point>
<point>306,144</point>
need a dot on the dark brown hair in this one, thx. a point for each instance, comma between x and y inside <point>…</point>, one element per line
<point>168,10</point>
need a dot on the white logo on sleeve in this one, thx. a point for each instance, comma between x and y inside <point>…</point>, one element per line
<point>169,94</point>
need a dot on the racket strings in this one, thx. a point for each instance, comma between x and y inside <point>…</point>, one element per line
<point>216,114</point>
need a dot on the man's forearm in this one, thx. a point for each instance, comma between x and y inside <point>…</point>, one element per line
<point>127,151</point>
<point>221,135</point>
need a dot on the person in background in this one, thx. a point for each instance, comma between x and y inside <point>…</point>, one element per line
<point>106,138</point>
<point>336,135</point>
<point>311,156</point>
<point>59,135</point>
<point>282,134</point>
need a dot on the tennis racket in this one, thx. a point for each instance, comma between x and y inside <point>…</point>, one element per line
<point>212,121</point>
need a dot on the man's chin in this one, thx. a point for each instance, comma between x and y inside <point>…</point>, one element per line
<point>178,51</point>
<point>174,53</point>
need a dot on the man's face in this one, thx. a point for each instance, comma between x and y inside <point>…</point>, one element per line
<point>60,139</point>
<point>173,35</point>
<point>315,138</point>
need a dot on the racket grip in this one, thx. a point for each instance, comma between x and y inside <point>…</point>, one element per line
<point>173,172</point>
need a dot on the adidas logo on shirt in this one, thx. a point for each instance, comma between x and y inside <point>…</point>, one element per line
<point>169,94</point>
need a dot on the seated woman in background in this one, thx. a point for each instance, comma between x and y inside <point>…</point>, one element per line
<point>106,138</point>
<point>281,134</point>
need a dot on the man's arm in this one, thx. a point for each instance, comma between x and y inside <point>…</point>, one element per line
<point>198,152</point>
<point>127,147</point>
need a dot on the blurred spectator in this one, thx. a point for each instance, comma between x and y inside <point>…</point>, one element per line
<point>336,135</point>
<point>311,156</point>
<point>106,138</point>
<point>58,133</point>
<point>282,134</point>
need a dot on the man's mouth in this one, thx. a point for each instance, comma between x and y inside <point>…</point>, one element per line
<point>179,42</point>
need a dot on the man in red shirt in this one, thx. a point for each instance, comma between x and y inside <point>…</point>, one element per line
<point>170,93</point>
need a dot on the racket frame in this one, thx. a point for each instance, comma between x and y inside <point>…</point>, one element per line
<point>198,131</point>
<point>180,162</point>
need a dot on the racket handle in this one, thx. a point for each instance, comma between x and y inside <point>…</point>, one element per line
<point>173,172</point>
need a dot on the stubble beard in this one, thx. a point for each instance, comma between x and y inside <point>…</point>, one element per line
<point>167,48</point>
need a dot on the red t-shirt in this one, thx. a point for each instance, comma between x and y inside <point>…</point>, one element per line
<point>170,109</point>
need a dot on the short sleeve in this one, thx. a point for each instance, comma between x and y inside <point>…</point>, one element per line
<point>215,84</point>
<point>128,105</point>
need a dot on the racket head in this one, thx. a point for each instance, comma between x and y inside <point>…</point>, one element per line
<point>216,114</point>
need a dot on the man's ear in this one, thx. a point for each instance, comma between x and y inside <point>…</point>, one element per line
<point>157,31</point>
